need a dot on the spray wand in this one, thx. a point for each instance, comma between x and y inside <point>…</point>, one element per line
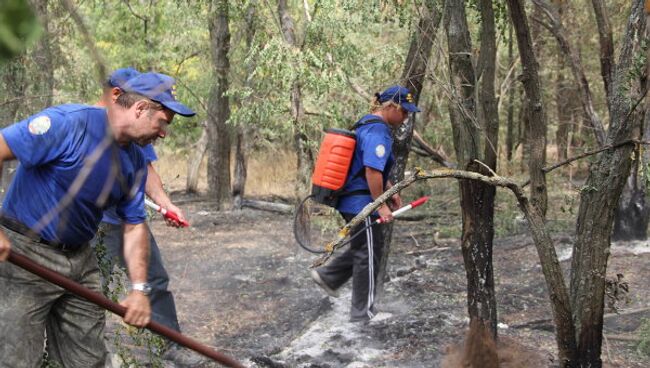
<point>418,202</point>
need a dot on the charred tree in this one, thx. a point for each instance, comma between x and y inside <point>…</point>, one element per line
<point>599,198</point>
<point>192,184</point>
<point>244,132</point>
<point>575,63</point>
<point>304,155</point>
<point>476,199</point>
<point>633,212</point>
<point>510,120</point>
<point>219,105</point>
<point>535,108</point>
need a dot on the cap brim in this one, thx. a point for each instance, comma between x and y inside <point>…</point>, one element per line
<point>178,108</point>
<point>410,107</point>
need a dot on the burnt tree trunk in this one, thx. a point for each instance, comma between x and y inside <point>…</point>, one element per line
<point>412,78</point>
<point>598,200</point>
<point>244,132</point>
<point>219,106</point>
<point>632,213</point>
<point>606,41</point>
<point>476,198</point>
<point>562,93</point>
<point>305,158</point>
<point>510,120</point>
<point>535,109</point>
<point>557,29</point>
<point>192,184</point>
<point>14,83</point>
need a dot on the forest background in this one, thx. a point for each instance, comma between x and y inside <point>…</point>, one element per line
<point>516,85</point>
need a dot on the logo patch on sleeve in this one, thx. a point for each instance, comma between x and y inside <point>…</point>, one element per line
<point>380,150</point>
<point>40,125</point>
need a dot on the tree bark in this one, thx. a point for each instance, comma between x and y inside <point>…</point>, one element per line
<point>598,200</point>
<point>192,184</point>
<point>305,158</point>
<point>633,212</point>
<point>606,44</point>
<point>219,106</point>
<point>413,79</point>
<point>244,132</point>
<point>586,98</point>
<point>562,93</point>
<point>536,112</point>
<point>43,74</point>
<point>476,198</point>
<point>510,125</point>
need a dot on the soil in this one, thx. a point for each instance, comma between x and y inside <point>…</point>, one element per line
<point>242,286</point>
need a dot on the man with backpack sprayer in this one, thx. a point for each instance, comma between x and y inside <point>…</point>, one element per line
<point>366,180</point>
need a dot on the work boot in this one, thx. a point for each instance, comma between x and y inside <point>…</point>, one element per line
<point>182,357</point>
<point>319,281</point>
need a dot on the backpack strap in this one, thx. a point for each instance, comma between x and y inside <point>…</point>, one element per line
<point>360,172</point>
<point>366,122</point>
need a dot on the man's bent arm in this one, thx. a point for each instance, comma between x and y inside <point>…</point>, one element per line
<point>5,155</point>
<point>375,179</point>
<point>136,254</point>
<point>154,189</point>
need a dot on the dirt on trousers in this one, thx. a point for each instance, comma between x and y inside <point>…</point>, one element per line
<point>242,286</point>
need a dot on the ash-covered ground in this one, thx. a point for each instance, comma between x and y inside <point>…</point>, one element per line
<point>242,286</point>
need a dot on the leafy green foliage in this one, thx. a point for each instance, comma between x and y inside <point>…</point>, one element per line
<point>18,28</point>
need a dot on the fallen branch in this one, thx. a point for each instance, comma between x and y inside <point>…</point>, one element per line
<point>429,151</point>
<point>428,250</point>
<point>268,206</point>
<point>623,338</point>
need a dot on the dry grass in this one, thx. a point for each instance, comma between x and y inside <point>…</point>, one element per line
<point>269,173</point>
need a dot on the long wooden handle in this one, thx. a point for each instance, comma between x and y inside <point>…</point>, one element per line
<point>99,299</point>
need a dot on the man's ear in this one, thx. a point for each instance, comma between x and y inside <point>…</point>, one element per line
<point>115,93</point>
<point>140,108</point>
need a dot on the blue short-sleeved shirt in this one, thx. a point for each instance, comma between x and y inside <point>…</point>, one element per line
<point>110,214</point>
<point>53,148</point>
<point>374,149</point>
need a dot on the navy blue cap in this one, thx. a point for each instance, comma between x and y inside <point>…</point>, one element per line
<point>400,95</point>
<point>121,76</point>
<point>158,87</point>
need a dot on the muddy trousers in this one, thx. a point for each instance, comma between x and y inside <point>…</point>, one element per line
<point>163,308</point>
<point>30,306</point>
<point>361,262</point>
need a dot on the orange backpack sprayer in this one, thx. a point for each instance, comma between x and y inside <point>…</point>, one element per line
<point>332,166</point>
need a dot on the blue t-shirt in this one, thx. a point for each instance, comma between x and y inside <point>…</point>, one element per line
<point>53,147</point>
<point>374,149</point>
<point>110,214</point>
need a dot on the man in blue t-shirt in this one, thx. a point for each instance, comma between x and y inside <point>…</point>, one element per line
<point>163,307</point>
<point>367,180</point>
<point>75,160</point>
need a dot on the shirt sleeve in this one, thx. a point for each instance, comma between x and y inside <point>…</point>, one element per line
<point>376,148</point>
<point>131,210</point>
<point>39,139</point>
<point>149,153</point>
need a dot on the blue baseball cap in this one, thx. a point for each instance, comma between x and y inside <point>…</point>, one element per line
<point>158,87</point>
<point>400,95</point>
<point>121,76</point>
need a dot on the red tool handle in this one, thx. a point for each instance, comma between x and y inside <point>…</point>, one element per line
<point>99,299</point>
<point>174,217</point>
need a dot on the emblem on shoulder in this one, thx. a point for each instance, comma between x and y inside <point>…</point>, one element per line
<point>40,125</point>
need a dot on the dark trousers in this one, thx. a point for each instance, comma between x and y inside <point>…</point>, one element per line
<point>361,262</point>
<point>163,308</point>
